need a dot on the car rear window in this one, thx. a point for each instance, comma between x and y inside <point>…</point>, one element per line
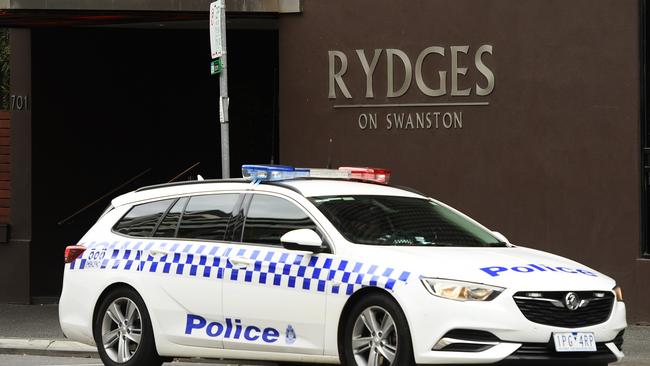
<point>169,224</point>
<point>142,219</point>
<point>207,217</point>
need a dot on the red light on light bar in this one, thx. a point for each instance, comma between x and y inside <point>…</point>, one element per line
<point>378,175</point>
<point>72,252</point>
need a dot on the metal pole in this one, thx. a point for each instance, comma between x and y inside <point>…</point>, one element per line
<point>223,99</point>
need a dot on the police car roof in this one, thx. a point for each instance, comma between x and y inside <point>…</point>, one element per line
<point>308,187</point>
<point>334,187</point>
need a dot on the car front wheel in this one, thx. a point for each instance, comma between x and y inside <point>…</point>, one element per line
<point>376,334</point>
<point>123,332</point>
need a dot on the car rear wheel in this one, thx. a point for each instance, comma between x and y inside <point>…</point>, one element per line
<point>123,332</point>
<point>376,334</point>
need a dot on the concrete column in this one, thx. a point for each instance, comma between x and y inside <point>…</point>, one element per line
<point>14,256</point>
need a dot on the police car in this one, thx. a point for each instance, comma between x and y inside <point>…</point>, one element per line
<point>325,266</point>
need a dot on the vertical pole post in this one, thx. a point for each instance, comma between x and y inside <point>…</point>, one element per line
<point>223,98</point>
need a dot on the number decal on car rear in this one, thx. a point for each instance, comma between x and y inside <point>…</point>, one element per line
<point>95,258</point>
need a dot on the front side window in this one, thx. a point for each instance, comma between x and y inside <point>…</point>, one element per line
<point>401,221</point>
<point>270,217</point>
<point>141,220</point>
<point>206,217</point>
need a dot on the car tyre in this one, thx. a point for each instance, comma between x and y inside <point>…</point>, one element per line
<point>122,330</point>
<point>376,333</point>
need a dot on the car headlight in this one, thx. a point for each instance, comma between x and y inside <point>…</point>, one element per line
<point>461,291</point>
<point>619,293</point>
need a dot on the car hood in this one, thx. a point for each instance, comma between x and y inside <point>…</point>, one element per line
<point>516,268</point>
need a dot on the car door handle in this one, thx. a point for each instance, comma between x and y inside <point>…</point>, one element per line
<point>158,252</point>
<point>241,262</point>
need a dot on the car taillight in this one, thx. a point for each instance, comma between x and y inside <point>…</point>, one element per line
<point>378,175</point>
<point>72,252</point>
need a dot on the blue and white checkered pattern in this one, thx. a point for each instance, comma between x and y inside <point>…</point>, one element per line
<point>268,266</point>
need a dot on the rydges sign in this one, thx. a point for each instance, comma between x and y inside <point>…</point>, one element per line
<point>420,115</point>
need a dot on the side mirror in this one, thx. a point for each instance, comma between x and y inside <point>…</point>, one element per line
<point>501,237</point>
<point>302,239</point>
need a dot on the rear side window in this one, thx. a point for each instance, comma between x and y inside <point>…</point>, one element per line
<point>141,220</point>
<point>270,217</point>
<point>168,225</point>
<point>207,217</point>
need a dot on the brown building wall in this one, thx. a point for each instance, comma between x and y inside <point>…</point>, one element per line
<point>552,160</point>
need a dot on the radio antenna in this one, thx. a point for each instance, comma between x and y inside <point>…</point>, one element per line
<point>329,154</point>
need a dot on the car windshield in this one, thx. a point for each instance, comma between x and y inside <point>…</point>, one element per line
<point>401,221</point>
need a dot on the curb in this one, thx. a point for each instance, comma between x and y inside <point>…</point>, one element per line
<point>46,347</point>
<point>64,348</point>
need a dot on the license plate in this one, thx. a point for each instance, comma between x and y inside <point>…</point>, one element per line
<point>574,342</point>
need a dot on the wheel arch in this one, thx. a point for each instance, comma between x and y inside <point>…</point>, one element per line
<point>356,297</point>
<point>106,291</point>
<point>116,285</point>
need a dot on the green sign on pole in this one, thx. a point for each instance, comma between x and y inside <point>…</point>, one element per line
<point>216,67</point>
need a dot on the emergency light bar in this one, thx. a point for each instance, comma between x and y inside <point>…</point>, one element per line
<point>377,175</point>
<point>272,173</point>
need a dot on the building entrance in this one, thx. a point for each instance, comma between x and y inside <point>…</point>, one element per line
<point>114,109</point>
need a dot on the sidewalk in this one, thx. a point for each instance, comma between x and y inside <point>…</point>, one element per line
<point>34,329</point>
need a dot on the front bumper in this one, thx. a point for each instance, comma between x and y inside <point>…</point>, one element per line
<point>544,353</point>
<point>431,318</point>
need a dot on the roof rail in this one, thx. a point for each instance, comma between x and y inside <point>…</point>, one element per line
<point>274,183</point>
<point>190,182</point>
<point>409,189</point>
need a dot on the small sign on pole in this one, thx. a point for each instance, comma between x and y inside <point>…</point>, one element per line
<point>216,45</point>
<point>216,67</point>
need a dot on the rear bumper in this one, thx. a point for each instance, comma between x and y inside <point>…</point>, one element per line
<point>76,306</point>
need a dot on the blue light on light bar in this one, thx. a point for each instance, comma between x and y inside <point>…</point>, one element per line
<point>272,172</point>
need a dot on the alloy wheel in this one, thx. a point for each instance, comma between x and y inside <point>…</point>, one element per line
<point>374,338</point>
<point>121,330</point>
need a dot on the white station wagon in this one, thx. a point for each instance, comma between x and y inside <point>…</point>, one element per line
<point>325,266</point>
